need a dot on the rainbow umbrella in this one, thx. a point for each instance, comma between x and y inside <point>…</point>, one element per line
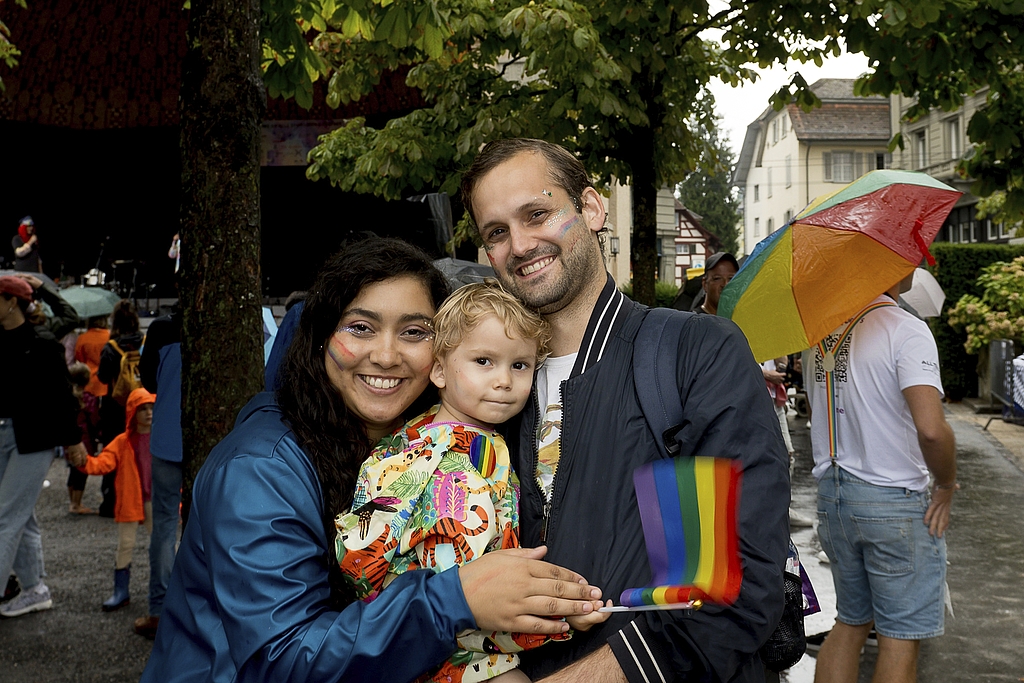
<point>842,251</point>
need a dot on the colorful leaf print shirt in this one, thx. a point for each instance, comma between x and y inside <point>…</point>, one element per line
<point>435,495</point>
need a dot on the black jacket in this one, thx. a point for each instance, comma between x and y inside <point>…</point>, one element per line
<point>44,412</point>
<point>594,525</point>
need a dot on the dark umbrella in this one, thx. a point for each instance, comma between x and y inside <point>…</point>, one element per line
<point>460,272</point>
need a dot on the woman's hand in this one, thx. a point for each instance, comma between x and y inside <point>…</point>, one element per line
<point>512,590</point>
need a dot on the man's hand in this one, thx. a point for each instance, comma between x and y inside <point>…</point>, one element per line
<point>587,621</point>
<point>937,516</point>
<point>32,280</point>
<point>773,376</point>
<point>76,454</point>
<point>512,590</point>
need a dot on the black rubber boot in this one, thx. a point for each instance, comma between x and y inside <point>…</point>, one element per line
<point>120,597</point>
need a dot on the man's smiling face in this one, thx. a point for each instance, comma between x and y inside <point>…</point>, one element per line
<point>542,245</point>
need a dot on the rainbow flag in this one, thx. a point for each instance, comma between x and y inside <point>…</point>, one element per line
<point>688,507</point>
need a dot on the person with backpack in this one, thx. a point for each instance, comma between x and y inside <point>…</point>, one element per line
<point>586,429</point>
<point>118,371</point>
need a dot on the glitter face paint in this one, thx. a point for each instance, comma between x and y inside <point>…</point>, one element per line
<point>565,225</point>
<point>341,356</point>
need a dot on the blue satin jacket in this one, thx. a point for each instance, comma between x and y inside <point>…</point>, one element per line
<point>248,596</point>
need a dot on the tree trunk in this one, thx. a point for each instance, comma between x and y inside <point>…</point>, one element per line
<point>222,105</point>
<point>644,245</point>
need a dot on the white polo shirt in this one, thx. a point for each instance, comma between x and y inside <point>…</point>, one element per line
<point>888,351</point>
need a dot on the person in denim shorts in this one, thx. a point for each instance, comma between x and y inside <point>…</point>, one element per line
<point>885,461</point>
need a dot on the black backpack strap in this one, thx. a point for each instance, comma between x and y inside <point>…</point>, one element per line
<point>655,352</point>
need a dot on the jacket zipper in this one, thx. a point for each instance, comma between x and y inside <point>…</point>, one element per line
<point>547,504</point>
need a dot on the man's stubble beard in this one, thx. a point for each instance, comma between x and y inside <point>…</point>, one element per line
<point>552,297</point>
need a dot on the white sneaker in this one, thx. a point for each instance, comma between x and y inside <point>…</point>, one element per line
<point>34,600</point>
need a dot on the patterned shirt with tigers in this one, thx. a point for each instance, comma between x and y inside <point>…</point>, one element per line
<point>435,495</point>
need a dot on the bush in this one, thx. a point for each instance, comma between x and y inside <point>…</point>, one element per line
<point>999,313</point>
<point>957,269</point>
<point>664,293</point>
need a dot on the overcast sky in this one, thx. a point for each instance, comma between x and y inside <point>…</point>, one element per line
<point>738,107</point>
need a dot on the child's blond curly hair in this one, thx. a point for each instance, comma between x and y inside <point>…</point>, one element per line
<point>464,309</point>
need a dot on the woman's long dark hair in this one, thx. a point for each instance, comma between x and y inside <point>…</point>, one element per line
<point>333,438</point>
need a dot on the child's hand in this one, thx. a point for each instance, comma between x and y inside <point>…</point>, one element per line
<point>584,622</point>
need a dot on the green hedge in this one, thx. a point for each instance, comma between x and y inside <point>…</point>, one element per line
<point>664,293</point>
<point>957,268</point>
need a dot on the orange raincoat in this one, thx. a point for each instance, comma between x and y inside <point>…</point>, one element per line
<point>119,455</point>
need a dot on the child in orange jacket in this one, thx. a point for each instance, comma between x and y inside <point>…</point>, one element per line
<point>129,454</point>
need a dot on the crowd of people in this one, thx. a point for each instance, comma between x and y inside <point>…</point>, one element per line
<point>439,486</point>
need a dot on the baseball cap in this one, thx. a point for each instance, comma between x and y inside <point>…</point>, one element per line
<point>27,220</point>
<point>717,257</point>
<point>15,286</point>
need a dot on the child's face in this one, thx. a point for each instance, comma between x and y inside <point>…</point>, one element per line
<point>144,416</point>
<point>487,378</point>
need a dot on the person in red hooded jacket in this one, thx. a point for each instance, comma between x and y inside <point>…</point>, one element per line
<point>129,455</point>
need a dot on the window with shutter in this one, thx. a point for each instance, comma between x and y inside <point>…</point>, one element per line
<point>826,163</point>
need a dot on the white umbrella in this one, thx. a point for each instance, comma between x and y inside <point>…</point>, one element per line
<point>925,295</point>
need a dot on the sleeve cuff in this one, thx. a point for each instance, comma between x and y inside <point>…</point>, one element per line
<point>451,601</point>
<point>640,656</point>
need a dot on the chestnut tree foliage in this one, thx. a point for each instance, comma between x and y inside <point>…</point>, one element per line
<point>623,83</point>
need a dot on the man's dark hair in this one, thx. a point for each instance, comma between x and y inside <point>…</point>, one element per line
<point>566,171</point>
<point>334,439</point>
<point>124,320</point>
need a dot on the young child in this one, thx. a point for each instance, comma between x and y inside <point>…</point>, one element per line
<point>441,491</point>
<point>88,422</point>
<point>129,454</point>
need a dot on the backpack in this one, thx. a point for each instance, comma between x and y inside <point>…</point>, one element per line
<point>128,379</point>
<point>654,369</point>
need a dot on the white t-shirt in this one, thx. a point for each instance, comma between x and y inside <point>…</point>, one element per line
<point>549,431</point>
<point>888,351</point>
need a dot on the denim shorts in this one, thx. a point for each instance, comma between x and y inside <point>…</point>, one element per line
<point>886,567</point>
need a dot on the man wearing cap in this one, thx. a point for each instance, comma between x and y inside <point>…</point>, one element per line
<point>38,413</point>
<point>718,271</point>
<point>26,247</point>
<point>583,432</point>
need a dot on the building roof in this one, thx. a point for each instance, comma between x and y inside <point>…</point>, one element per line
<point>117,64</point>
<point>841,117</point>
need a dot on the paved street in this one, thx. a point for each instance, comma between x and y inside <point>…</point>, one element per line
<point>77,643</point>
<point>985,551</point>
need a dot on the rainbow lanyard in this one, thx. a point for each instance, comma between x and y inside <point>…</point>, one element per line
<point>828,364</point>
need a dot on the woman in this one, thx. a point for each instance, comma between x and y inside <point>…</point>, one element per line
<point>256,593</point>
<point>38,412</point>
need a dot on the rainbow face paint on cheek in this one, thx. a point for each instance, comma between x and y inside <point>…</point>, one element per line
<point>564,226</point>
<point>341,356</point>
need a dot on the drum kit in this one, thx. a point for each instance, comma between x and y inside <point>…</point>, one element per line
<point>124,285</point>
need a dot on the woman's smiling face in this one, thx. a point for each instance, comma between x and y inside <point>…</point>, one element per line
<point>379,358</point>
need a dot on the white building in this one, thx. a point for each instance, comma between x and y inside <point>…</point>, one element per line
<point>789,157</point>
<point>934,144</point>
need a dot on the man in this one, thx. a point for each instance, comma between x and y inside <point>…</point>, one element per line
<point>583,432</point>
<point>26,247</point>
<point>873,451</point>
<point>718,272</point>
<point>160,368</point>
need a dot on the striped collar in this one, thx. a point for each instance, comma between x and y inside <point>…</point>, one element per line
<point>608,314</point>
